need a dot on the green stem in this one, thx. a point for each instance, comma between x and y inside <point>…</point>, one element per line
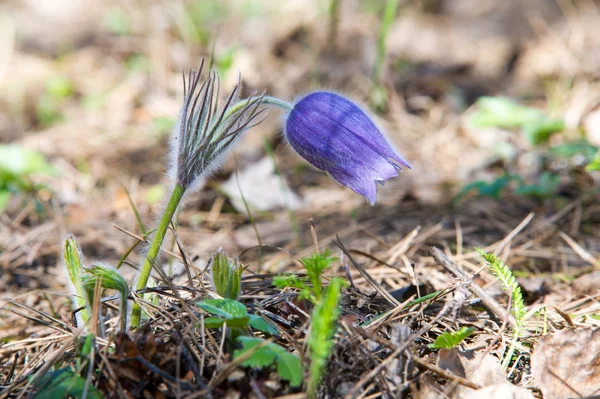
<point>157,240</point>
<point>389,14</point>
<point>268,100</point>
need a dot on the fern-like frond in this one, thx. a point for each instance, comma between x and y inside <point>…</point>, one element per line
<point>507,279</point>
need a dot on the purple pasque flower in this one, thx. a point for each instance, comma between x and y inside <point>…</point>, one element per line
<point>336,136</point>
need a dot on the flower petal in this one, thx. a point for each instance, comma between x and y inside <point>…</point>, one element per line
<point>346,114</point>
<point>337,137</point>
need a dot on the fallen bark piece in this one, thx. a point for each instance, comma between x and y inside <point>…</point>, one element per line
<point>566,364</point>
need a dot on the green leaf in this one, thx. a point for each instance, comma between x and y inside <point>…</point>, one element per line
<point>64,383</point>
<point>504,113</point>
<point>539,131</point>
<point>571,149</point>
<point>227,308</point>
<point>110,279</point>
<point>293,281</point>
<point>545,188</point>
<point>260,324</point>
<point>233,312</point>
<point>493,189</point>
<point>289,366</point>
<point>594,165</point>
<point>213,322</point>
<point>449,339</point>
<point>262,357</point>
<point>19,161</point>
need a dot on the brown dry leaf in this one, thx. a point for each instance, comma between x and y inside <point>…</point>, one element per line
<point>566,364</point>
<point>500,391</point>
<point>474,364</point>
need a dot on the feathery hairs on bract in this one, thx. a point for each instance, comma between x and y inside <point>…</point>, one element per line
<point>205,132</point>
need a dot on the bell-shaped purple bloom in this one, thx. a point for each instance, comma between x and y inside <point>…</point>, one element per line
<point>337,137</point>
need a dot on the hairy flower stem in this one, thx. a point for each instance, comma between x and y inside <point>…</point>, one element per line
<point>174,201</point>
<point>157,240</point>
<point>266,100</point>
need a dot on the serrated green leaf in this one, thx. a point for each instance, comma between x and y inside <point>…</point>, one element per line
<point>263,357</point>
<point>289,366</point>
<point>260,324</point>
<point>508,281</point>
<point>450,339</point>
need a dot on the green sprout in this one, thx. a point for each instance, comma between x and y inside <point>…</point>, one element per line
<point>226,275</point>
<point>322,330</point>
<point>312,287</point>
<point>378,94</point>
<point>509,283</point>
<point>73,258</point>
<point>449,339</point>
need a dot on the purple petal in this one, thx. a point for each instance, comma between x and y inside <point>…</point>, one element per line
<point>337,137</point>
<point>343,112</point>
